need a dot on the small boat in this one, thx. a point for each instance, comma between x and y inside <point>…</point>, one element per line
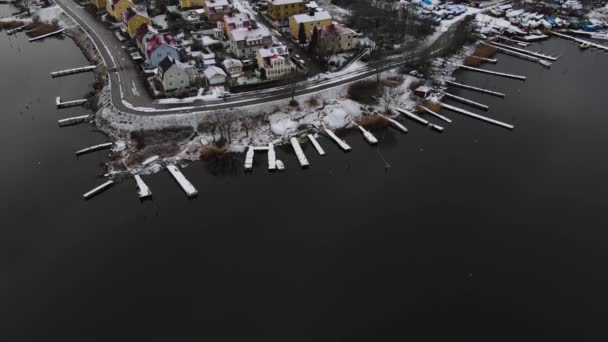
<point>584,46</point>
<point>544,63</point>
<point>280,165</point>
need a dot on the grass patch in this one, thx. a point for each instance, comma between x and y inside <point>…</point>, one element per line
<point>434,106</point>
<point>40,29</point>
<point>156,137</point>
<point>366,92</point>
<point>9,25</point>
<point>482,51</point>
<point>212,152</point>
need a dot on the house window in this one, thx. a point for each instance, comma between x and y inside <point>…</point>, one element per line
<point>181,82</point>
<point>170,84</point>
<point>179,74</point>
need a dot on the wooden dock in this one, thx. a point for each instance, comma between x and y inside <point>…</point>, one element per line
<point>182,181</point>
<point>527,52</point>
<point>299,153</point>
<point>66,104</point>
<point>599,46</point>
<point>477,116</point>
<point>513,53</point>
<point>73,71</point>
<point>435,114</point>
<point>412,116</point>
<point>489,60</point>
<point>502,74</point>
<point>249,159</point>
<point>480,90</point>
<point>395,123</point>
<point>272,158</point>
<point>343,145</point>
<point>98,189</point>
<point>94,148</point>
<point>520,43</point>
<point>371,139</point>
<point>143,190</point>
<point>72,120</point>
<point>467,101</point>
<point>46,35</point>
<point>15,30</point>
<point>316,144</point>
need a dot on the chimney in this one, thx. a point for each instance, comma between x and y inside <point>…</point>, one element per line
<point>311,12</point>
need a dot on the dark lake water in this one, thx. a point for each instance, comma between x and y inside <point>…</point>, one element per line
<point>476,234</point>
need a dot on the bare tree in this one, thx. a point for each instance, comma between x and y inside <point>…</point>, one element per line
<point>26,5</point>
<point>389,97</point>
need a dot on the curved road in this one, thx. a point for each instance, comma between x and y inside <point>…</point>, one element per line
<point>129,94</point>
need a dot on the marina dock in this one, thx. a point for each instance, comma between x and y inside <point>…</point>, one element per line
<point>513,53</point>
<point>578,40</point>
<point>15,30</point>
<point>73,71</point>
<point>72,120</point>
<point>368,136</point>
<point>94,148</point>
<point>47,35</point>
<point>480,90</point>
<point>527,52</point>
<point>477,116</point>
<point>316,144</point>
<point>489,60</point>
<point>182,181</point>
<point>412,116</point>
<point>143,190</point>
<point>520,43</point>
<point>395,123</point>
<point>72,103</point>
<point>343,145</point>
<point>272,158</point>
<point>98,189</point>
<point>502,74</point>
<point>467,101</point>
<point>249,159</point>
<point>299,153</point>
<point>435,114</point>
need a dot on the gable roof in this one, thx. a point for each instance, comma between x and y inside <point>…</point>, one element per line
<point>284,2</point>
<point>249,33</point>
<point>166,64</point>
<point>334,30</point>
<point>212,71</point>
<point>315,16</point>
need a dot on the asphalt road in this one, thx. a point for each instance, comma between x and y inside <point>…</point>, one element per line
<point>130,96</point>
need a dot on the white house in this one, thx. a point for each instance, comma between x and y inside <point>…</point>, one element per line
<point>215,76</point>
<point>233,67</point>
<point>274,62</point>
<point>175,75</point>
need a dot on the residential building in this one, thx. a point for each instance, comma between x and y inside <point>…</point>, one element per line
<point>174,75</point>
<point>134,19</point>
<point>158,47</point>
<point>245,42</point>
<point>233,21</point>
<point>115,8</point>
<point>215,76</point>
<point>216,9</point>
<point>310,20</point>
<point>282,9</point>
<point>233,67</point>
<point>274,62</point>
<point>336,38</point>
<point>183,4</point>
<point>99,4</point>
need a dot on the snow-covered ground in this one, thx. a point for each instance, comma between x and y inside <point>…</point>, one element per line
<point>49,14</point>
<point>599,13</point>
<point>161,21</point>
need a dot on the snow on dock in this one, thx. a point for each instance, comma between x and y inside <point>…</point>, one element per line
<point>46,35</point>
<point>481,90</point>
<point>534,37</point>
<point>15,30</point>
<point>94,148</point>
<point>368,136</point>
<point>98,189</point>
<point>395,123</point>
<point>520,43</point>
<point>435,114</point>
<point>73,71</point>
<point>272,158</point>
<point>316,144</point>
<point>299,153</point>
<point>249,159</point>
<point>477,116</point>
<point>343,145</point>
<point>182,181</point>
<point>143,190</point>
<point>489,60</point>
<point>72,103</point>
<point>522,78</point>
<point>527,52</point>
<point>602,47</point>
<point>513,53</point>
<point>466,101</point>
<point>72,120</point>
<point>412,116</point>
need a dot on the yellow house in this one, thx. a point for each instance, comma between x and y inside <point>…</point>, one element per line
<point>133,19</point>
<point>283,9</point>
<point>116,7</point>
<point>190,3</point>
<point>310,21</point>
<point>99,4</point>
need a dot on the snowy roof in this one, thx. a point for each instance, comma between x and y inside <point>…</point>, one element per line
<point>236,18</point>
<point>230,63</point>
<point>284,2</point>
<point>217,3</point>
<point>316,16</point>
<point>212,71</point>
<point>335,29</point>
<point>273,51</point>
<point>249,33</point>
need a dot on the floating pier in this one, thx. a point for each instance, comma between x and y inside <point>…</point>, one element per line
<point>368,136</point>
<point>143,190</point>
<point>522,78</point>
<point>520,43</point>
<point>524,51</point>
<point>72,103</point>
<point>599,46</point>
<point>15,30</point>
<point>94,148</point>
<point>489,60</point>
<point>477,116</point>
<point>343,145</point>
<point>249,159</point>
<point>435,114</point>
<point>272,158</point>
<point>316,144</point>
<point>72,120</point>
<point>513,53</point>
<point>73,71</point>
<point>481,90</point>
<point>299,153</point>
<point>419,119</point>
<point>182,181</point>
<point>395,123</point>
<point>98,189</point>
<point>466,101</point>
<point>46,35</point>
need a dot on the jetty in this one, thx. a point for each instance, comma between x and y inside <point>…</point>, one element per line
<point>477,116</point>
<point>481,90</point>
<point>73,71</point>
<point>395,123</point>
<point>599,46</point>
<point>94,148</point>
<point>520,43</point>
<point>502,74</point>
<point>66,104</point>
<point>143,190</point>
<point>412,116</point>
<point>466,101</point>
<point>489,60</point>
<point>72,120</point>
<point>316,144</point>
<point>527,52</point>
<point>534,37</point>
<point>299,153</point>
<point>368,136</point>
<point>272,158</point>
<point>435,114</point>
<point>182,181</point>
<point>98,189</point>
<point>15,30</point>
<point>46,35</point>
<point>513,53</point>
<point>249,159</point>
<point>343,145</point>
